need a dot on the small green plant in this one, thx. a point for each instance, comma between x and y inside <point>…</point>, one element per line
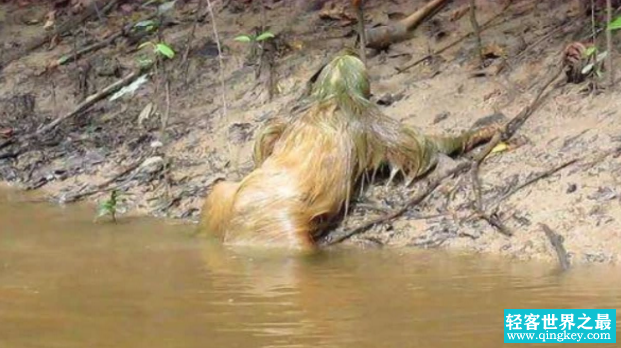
<point>596,61</point>
<point>160,48</point>
<point>615,24</point>
<point>255,38</point>
<point>256,44</point>
<point>109,207</point>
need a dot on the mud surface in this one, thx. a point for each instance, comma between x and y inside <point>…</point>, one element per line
<point>120,143</point>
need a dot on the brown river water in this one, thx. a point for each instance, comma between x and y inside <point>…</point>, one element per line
<point>68,282</point>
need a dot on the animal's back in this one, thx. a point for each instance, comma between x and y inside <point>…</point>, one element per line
<point>306,177</point>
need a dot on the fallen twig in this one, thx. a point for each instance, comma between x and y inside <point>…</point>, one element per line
<point>359,9</point>
<point>476,29</point>
<point>495,222</point>
<point>396,213</point>
<point>483,27</point>
<point>96,46</point>
<point>491,219</point>
<point>557,243</point>
<point>101,187</point>
<point>184,60</point>
<point>382,37</point>
<point>83,106</point>
<point>503,134</point>
<point>609,47</point>
<point>61,29</point>
<point>534,179</point>
<point>88,102</point>
<point>220,59</point>
<point>542,39</point>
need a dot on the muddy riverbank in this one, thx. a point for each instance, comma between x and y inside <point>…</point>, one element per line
<point>120,142</point>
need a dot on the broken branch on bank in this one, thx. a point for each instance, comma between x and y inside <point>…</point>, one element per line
<point>486,25</point>
<point>382,37</point>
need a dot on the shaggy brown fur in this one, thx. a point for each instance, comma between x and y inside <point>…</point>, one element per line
<point>307,169</point>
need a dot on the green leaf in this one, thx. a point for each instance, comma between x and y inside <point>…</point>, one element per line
<point>615,24</point>
<point>243,38</point>
<point>146,23</point>
<point>62,60</point>
<point>589,51</point>
<point>264,36</point>
<point>165,50</point>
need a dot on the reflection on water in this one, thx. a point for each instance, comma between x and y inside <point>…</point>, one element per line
<point>66,282</point>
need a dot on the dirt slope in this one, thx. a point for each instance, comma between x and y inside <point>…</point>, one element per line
<point>581,202</point>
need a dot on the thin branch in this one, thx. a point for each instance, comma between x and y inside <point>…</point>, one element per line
<point>101,187</point>
<point>220,59</point>
<point>557,243</point>
<point>534,179</point>
<point>184,60</point>
<point>395,214</point>
<point>495,222</point>
<point>476,30</point>
<point>484,27</point>
<point>61,29</point>
<point>609,48</point>
<point>359,8</point>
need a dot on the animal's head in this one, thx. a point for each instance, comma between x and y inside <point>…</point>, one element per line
<point>345,75</point>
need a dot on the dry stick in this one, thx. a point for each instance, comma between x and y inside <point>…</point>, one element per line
<point>87,103</point>
<point>382,37</point>
<point>476,30</point>
<point>515,123</point>
<point>221,62</point>
<point>507,131</point>
<point>609,48</point>
<point>98,45</point>
<point>411,202</point>
<point>483,27</point>
<point>359,8</point>
<point>542,39</point>
<point>184,60</point>
<point>94,47</point>
<point>534,179</point>
<point>102,186</point>
<point>66,26</point>
<point>557,242</point>
<point>491,219</point>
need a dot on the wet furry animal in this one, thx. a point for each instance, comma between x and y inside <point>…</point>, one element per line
<point>308,168</point>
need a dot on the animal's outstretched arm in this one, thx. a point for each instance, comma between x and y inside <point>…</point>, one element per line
<point>409,151</point>
<point>464,142</point>
<point>266,138</point>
